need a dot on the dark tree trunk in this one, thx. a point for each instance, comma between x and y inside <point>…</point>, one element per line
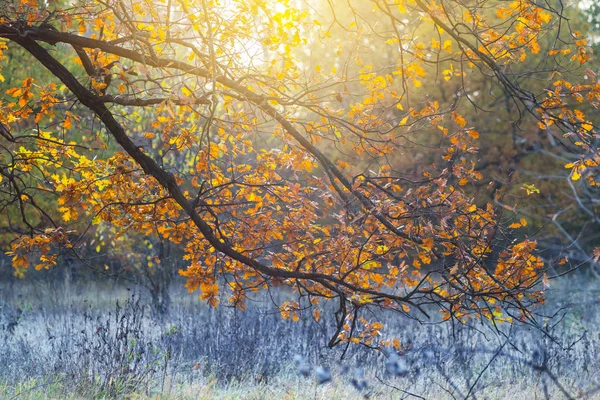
<point>160,280</point>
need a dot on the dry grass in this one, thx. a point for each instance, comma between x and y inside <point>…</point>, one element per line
<point>282,387</point>
<point>65,344</point>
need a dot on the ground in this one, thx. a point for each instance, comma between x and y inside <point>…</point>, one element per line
<point>84,340</point>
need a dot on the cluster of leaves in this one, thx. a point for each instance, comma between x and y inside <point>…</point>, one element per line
<point>270,168</point>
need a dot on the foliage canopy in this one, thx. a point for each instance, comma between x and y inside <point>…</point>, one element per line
<point>267,139</point>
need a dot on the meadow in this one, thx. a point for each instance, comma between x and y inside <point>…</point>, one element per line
<point>69,340</point>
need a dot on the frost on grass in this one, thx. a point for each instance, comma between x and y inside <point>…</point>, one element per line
<point>107,343</point>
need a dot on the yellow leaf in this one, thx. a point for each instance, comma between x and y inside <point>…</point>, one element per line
<point>447,46</point>
<point>98,85</point>
<point>503,12</point>
<point>545,17</point>
<point>473,134</point>
<point>186,92</point>
<point>427,244</point>
<point>530,188</point>
<point>460,121</point>
<point>317,314</point>
<point>377,278</point>
<point>523,222</point>
<point>402,7</point>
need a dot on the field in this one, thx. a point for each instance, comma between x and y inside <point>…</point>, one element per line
<point>73,340</point>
